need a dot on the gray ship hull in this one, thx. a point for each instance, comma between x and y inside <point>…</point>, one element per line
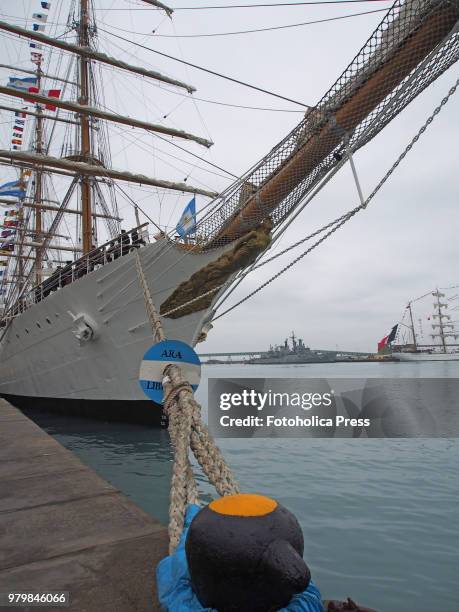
<point>293,359</point>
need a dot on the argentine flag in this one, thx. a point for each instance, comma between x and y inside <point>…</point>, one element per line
<point>22,84</point>
<point>12,189</point>
<point>187,223</point>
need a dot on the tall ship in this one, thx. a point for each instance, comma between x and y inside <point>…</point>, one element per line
<point>74,324</point>
<point>443,345</point>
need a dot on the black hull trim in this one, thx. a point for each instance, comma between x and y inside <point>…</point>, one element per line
<point>144,412</point>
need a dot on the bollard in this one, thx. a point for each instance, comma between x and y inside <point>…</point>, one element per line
<point>245,553</point>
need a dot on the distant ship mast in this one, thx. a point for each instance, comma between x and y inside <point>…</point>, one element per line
<point>446,330</point>
<point>442,322</point>
<point>413,331</point>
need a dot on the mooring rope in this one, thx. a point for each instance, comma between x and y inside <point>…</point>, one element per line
<point>186,430</point>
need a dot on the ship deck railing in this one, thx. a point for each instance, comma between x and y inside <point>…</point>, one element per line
<point>115,248</point>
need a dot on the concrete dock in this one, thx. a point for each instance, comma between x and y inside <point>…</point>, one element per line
<point>63,528</point>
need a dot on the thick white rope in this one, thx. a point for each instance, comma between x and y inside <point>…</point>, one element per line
<point>186,431</point>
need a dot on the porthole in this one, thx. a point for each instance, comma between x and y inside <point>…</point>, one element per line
<point>38,324</point>
<point>26,330</point>
<point>48,321</point>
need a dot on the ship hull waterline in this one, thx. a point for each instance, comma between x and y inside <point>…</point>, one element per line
<point>142,412</point>
<point>44,366</point>
<point>426,356</point>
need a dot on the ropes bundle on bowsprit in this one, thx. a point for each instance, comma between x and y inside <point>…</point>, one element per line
<point>414,44</point>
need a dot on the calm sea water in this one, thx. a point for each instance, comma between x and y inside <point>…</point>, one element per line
<point>380,517</point>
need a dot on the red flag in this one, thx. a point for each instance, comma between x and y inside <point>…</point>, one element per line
<point>382,343</point>
<point>52,93</point>
<point>34,90</point>
<point>16,141</point>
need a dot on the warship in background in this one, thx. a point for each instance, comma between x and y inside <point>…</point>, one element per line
<point>296,353</point>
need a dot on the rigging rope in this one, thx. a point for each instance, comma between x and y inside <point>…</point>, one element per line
<point>249,6</point>
<point>213,72</point>
<point>219,103</point>
<point>270,29</point>
<point>187,431</point>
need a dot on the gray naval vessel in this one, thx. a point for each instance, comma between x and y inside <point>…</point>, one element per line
<point>296,352</point>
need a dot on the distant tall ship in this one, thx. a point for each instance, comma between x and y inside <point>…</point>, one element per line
<point>73,326</point>
<point>444,346</point>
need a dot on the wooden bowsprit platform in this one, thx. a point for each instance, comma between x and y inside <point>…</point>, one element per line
<point>63,528</point>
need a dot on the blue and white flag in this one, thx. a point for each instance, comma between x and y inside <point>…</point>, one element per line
<point>22,84</point>
<point>46,5</point>
<point>34,45</point>
<point>13,189</point>
<point>36,27</point>
<point>187,223</point>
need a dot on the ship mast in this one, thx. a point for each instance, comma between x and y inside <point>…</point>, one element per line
<point>86,219</point>
<point>413,331</point>
<point>20,232</point>
<point>38,194</point>
<point>439,306</point>
<point>87,163</point>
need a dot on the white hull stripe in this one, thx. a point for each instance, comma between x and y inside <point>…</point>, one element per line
<point>153,371</point>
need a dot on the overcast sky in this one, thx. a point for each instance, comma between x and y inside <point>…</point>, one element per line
<point>355,286</point>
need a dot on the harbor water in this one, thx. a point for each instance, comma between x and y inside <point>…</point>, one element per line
<point>379,516</point>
